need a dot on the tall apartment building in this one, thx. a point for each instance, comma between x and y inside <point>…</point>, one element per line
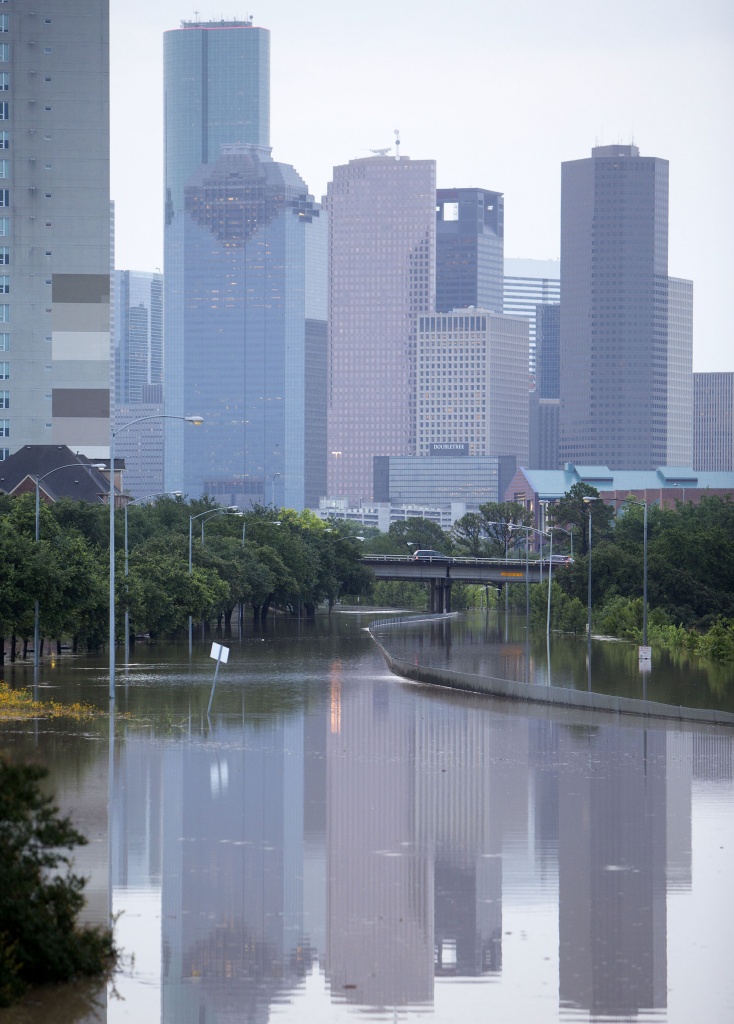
<point>138,334</point>
<point>245,282</point>
<point>713,421</point>
<point>472,385</point>
<point>615,310</point>
<point>54,226</point>
<point>528,284</point>
<point>470,244</point>
<point>382,266</point>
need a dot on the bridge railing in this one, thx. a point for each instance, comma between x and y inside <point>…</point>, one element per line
<point>403,620</point>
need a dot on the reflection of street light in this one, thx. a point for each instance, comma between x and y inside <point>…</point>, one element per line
<point>550,570</point>
<point>196,421</point>
<point>589,500</point>
<point>68,465</point>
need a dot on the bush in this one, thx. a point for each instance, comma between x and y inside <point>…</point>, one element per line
<point>40,897</point>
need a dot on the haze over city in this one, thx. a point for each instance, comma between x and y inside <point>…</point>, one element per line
<point>499,97</point>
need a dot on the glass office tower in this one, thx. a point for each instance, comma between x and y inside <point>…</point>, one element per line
<point>245,282</point>
<point>216,91</point>
<point>244,329</point>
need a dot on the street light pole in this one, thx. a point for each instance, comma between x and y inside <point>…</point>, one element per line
<point>588,500</point>
<point>208,513</point>
<point>196,421</point>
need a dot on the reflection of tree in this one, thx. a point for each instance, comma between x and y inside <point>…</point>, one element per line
<point>231,953</point>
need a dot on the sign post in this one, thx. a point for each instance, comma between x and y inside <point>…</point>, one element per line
<point>221,656</point>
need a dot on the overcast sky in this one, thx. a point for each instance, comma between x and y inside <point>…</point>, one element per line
<point>498,94</point>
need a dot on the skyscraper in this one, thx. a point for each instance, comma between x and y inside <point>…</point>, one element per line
<point>138,332</point>
<point>246,360</point>
<point>470,240</point>
<point>216,91</point>
<point>245,284</point>
<point>382,267</point>
<point>713,421</point>
<point>527,284</point>
<point>614,310</point>
<point>680,373</point>
<point>54,226</point>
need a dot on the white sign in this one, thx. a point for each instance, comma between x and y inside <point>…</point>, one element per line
<point>220,653</point>
<point>644,655</point>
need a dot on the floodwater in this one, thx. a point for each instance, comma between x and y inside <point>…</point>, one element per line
<point>336,844</point>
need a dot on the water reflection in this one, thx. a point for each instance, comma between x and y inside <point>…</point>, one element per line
<point>396,840</point>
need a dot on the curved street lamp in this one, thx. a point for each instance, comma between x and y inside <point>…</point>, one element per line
<point>68,465</point>
<point>196,421</point>
<point>208,513</point>
<point>638,501</point>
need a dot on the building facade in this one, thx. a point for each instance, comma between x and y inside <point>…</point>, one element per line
<point>138,334</point>
<point>528,284</point>
<point>54,226</point>
<point>680,373</point>
<point>245,283</point>
<point>470,244</point>
<point>216,91</point>
<point>614,310</point>
<point>442,480</point>
<point>382,267</point>
<point>713,421</point>
<point>472,385</point>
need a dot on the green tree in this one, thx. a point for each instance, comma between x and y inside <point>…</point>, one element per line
<point>41,940</point>
<point>468,535</point>
<point>573,512</point>
<point>497,518</point>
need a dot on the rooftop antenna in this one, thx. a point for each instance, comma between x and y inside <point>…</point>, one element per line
<point>397,143</point>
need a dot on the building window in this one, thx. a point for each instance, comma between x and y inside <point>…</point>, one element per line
<point>4,284</point>
<point>4,140</point>
<point>4,399</point>
<point>4,53</point>
<point>4,371</point>
<point>4,454</point>
<point>4,168</point>
<point>4,428</point>
<point>4,342</point>
<point>4,80</point>
<point>4,23</point>
<point>4,111</point>
<point>4,313</point>
<point>4,197</point>
<point>4,227</point>
<point>4,256</point>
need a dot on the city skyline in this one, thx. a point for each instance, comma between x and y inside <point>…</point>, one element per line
<point>671,101</point>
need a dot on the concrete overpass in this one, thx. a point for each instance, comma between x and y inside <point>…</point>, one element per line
<point>441,573</point>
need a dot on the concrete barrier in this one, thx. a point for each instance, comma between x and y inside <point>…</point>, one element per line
<point>559,696</point>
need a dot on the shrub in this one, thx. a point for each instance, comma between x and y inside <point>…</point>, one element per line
<point>41,940</point>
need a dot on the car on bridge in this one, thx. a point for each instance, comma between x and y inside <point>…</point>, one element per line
<point>428,555</point>
<point>558,560</point>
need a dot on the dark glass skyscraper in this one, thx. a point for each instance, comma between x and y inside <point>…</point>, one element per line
<point>614,310</point>
<point>470,239</point>
<point>245,282</point>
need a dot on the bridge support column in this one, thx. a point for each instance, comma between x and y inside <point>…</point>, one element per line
<point>441,595</point>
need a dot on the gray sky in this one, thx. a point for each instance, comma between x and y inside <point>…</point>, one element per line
<point>498,97</point>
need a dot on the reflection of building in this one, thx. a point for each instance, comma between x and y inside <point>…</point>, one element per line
<point>380,906</point>
<point>612,870</point>
<point>232,893</point>
<point>54,226</point>
<point>382,269</point>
